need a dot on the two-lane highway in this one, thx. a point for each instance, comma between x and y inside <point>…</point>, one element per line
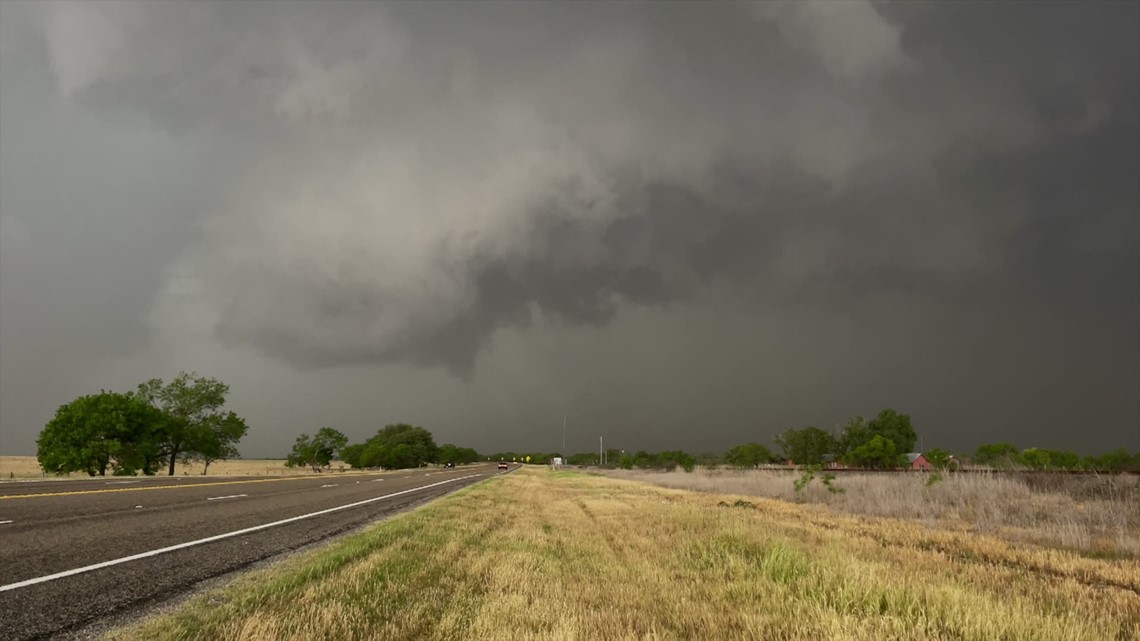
<point>75,551</point>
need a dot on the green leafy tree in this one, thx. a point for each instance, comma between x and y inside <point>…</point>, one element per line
<point>673,459</point>
<point>879,453</point>
<point>1035,458</point>
<point>748,455</point>
<point>855,433</point>
<point>1045,459</point>
<point>888,424</point>
<point>400,455</point>
<point>196,425</point>
<point>806,446</point>
<point>448,453</point>
<point>102,431</point>
<point>1117,460</point>
<point>939,458</point>
<point>368,456</point>
<point>351,454</point>
<point>1064,460</point>
<point>897,428</point>
<point>997,455</point>
<point>384,448</point>
<point>644,460</point>
<point>458,455</point>
<point>218,438</point>
<point>316,452</point>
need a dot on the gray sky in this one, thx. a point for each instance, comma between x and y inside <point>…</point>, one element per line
<point>682,225</point>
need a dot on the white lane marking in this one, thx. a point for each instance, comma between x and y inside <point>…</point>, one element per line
<point>119,482</point>
<point>218,537</point>
<point>4,522</point>
<point>374,480</point>
<point>331,485</point>
<point>232,496</point>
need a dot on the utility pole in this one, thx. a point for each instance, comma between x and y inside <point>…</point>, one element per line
<point>601,452</point>
<point>563,435</point>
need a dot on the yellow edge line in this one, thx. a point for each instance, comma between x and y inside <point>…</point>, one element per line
<point>173,487</point>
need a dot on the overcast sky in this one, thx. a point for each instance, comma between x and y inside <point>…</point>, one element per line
<point>680,225</point>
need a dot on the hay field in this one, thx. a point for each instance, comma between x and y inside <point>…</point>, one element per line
<point>537,554</point>
<point>19,467</point>
<point>27,467</point>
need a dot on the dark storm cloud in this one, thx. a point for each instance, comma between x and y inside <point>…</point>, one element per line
<point>407,184</point>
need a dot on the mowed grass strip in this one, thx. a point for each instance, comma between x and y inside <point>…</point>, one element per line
<point>536,554</point>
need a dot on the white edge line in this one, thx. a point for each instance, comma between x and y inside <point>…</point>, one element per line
<point>4,522</point>
<point>232,496</point>
<point>217,537</point>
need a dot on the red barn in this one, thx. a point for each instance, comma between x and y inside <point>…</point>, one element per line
<point>918,462</point>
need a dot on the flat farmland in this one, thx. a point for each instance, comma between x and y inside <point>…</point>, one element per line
<point>27,467</point>
<point>571,555</point>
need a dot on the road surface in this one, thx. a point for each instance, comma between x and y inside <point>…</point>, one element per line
<point>74,552</point>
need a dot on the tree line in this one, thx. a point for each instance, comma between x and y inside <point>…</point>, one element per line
<point>395,446</point>
<point>1008,455</point>
<point>142,430</point>
<point>881,442</point>
<point>159,424</point>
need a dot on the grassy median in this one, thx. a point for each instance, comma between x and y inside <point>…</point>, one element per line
<point>564,555</point>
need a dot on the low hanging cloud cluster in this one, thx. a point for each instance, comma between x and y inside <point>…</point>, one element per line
<point>409,179</point>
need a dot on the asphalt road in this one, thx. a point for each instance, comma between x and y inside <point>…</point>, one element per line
<point>51,532</point>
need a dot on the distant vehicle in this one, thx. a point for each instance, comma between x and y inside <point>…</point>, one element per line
<point>503,465</point>
<point>449,464</point>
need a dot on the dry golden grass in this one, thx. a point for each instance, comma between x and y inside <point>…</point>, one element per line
<point>1092,514</point>
<point>241,467</point>
<point>27,467</point>
<point>564,555</point>
<point>19,467</point>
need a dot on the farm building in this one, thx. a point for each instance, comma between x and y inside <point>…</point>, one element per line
<point>831,462</point>
<point>917,461</point>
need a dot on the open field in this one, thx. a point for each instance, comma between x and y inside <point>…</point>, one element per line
<point>25,467</point>
<point>566,555</point>
<point>1089,514</point>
